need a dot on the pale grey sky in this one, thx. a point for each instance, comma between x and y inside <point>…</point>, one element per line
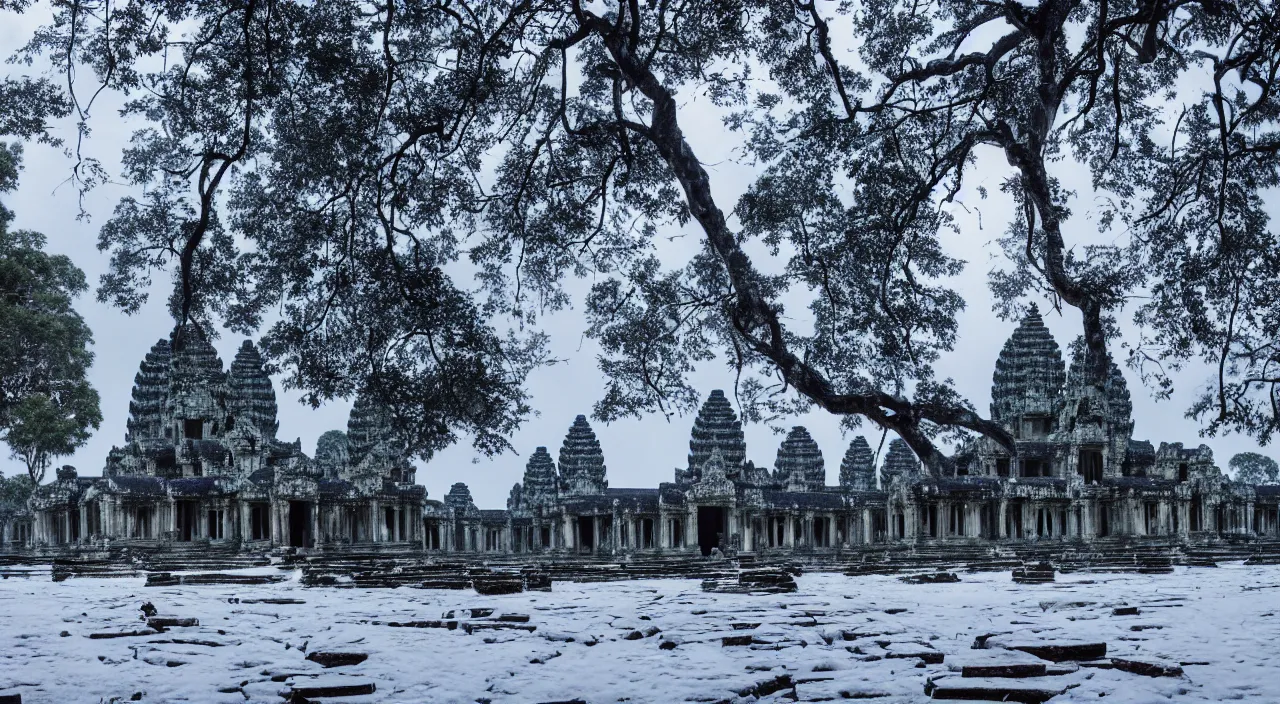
<point>637,453</point>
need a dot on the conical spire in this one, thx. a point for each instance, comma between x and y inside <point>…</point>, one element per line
<point>1114,407</point>
<point>250,395</point>
<point>899,460</point>
<point>800,466</point>
<point>1029,373</point>
<point>197,382</point>
<point>150,392</point>
<point>858,470</point>
<point>333,454</point>
<point>717,426</point>
<point>368,426</point>
<point>539,486</point>
<point>459,497</point>
<point>582,469</point>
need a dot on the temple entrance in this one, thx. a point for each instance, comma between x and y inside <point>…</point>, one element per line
<point>586,534</point>
<point>713,525</point>
<point>186,513</point>
<point>300,524</point>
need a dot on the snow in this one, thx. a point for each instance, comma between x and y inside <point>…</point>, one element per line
<point>833,637</point>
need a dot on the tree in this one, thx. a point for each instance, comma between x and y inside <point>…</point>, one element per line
<point>44,427</point>
<point>14,492</point>
<point>1253,468</point>
<point>368,160</point>
<point>47,407</point>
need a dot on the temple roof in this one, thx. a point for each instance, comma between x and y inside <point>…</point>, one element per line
<point>250,395</point>
<point>858,468</point>
<point>717,425</point>
<point>582,469</point>
<point>1029,372</point>
<point>800,466</point>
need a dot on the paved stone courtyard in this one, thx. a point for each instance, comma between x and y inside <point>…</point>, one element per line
<point>1198,635</point>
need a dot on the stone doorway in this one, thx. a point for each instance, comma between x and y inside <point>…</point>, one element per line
<point>713,525</point>
<point>586,534</point>
<point>185,516</point>
<point>300,524</point>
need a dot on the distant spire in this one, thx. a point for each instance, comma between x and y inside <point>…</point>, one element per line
<point>251,398</point>
<point>582,469</point>
<point>858,470</point>
<point>717,425</point>
<point>800,466</point>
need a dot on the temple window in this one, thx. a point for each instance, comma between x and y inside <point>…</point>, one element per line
<point>1090,465</point>
<point>1035,468</point>
<point>1002,466</point>
<point>193,429</point>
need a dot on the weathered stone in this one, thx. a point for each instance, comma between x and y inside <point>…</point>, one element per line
<point>931,578</point>
<point>159,622</point>
<point>1146,668</point>
<point>1029,374</point>
<point>582,470</point>
<point>1062,652</point>
<point>716,426</point>
<point>799,466</point>
<point>858,469</point>
<point>1008,670</point>
<point>328,659</point>
<point>250,395</point>
<point>899,462</point>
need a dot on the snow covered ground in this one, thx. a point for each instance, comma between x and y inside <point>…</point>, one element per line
<point>834,637</point>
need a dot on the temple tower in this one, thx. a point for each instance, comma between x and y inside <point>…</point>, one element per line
<point>800,466</point>
<point>540,481</point>
<point>147,418</point>
<point>197,386</point>
<point>717,426</point>
<point>858,469</point>
<point>1027,384</point>
<point>899,461</point>
<point>582,469</point>
<point>251,398</point>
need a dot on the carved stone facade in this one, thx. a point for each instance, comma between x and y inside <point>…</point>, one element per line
<point>201,463</point>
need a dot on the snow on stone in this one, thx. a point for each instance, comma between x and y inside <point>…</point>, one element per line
<point>644,641</point>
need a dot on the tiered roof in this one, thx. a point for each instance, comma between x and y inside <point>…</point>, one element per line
<point>1029,373</point>
<point>717,426</point>
<point>899,460</point>
<point>540,480</point>
<point>150,393</point>
<point>582,469</point>
<point>250,395</point>
<point>858,469</point>
<point>800,466</point>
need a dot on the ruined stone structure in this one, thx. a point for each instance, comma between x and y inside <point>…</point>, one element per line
<point>202,464</point>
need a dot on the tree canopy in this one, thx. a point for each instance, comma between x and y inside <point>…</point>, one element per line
<point>47,406</point>
<point>1253,468</point>
<point>397,192</point>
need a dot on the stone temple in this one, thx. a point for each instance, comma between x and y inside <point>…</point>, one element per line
<point>202,466</point>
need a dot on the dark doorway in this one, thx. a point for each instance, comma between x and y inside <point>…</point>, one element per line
<point>459,538</point>
<point>300,524</point>
<point>1090,465</point>
<point>586,534</point>
<point>193,428</point>
<point>713,524</point>
<point>187,513</point>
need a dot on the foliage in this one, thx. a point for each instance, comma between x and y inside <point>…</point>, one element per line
<point>14,492</point>
<point>1253,468</point>
<point>402,182</point>
<point>47,406</point>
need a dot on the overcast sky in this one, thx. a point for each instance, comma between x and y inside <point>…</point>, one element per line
<point>637,453</point>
